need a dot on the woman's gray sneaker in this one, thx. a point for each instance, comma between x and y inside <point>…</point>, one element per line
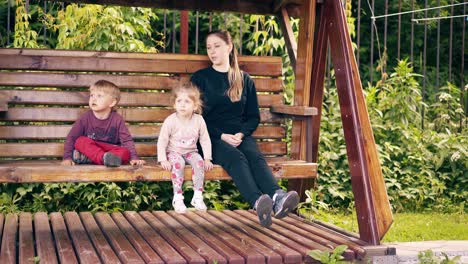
<point>263,207</point>
<point>284,203</point>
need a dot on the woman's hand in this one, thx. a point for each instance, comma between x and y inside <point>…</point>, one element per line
<point>166,165</point>
<point>137,162</point>
<point>239,135</point>
<point>232,140</point>
<point>67,162</point>
<point>208,165</point>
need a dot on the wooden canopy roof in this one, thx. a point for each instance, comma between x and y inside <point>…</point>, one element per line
<point>236,6</point>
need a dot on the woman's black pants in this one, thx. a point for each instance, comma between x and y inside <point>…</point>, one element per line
<point>247,168</point>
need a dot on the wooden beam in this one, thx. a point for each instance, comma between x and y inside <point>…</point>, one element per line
<point>245,6</point>
<point>289,37</point>
<point>372,206</point>
<point>280,4</point>
<point>303,72</point>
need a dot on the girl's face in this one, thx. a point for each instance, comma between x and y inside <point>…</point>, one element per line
<point>218,50</point>
<point>184,105</point>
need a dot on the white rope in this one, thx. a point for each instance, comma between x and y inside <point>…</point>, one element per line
<point>415,11</point>
<point>435,18</point>
<point>376,33</point>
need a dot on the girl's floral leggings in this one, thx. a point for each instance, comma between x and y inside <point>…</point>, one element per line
<point>178,164</point>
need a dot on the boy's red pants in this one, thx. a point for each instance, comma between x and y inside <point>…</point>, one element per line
<point>95,150</point>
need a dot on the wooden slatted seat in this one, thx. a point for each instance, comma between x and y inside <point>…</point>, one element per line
<point>45,91</point>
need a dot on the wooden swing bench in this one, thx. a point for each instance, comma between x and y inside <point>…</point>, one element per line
<point>42,92</point>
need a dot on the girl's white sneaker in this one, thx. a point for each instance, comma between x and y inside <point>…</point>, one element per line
<point>197,202</point>
<point>178,203</point>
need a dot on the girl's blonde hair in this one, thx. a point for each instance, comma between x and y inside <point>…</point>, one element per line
<point>235,77</point>
<point>108,88</point>
<point>193,93</point>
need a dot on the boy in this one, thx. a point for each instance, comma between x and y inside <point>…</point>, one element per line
<point>100,135</point>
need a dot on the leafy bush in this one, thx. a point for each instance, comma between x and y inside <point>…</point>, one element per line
<point>424,169</point>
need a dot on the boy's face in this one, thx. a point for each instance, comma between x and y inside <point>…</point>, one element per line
<point>184,105</point>
<point>100,101</point>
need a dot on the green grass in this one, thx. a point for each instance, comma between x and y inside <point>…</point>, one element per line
<point>411,226</point>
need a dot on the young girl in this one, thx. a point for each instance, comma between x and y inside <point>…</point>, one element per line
<point>177,144</point>
<point>231,111</point>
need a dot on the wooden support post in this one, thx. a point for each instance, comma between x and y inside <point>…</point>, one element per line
<point>317,86</point>
<point>288,34</point>
<point>303,73</point>
<point>370,194</point>
<point>184,32</point>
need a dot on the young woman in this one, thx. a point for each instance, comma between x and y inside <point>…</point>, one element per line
<point>231,113</point>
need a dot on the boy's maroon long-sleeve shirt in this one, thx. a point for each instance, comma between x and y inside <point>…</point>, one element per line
<point>111,130</point>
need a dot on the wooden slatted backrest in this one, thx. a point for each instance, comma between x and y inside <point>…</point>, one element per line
<point>47,90</point>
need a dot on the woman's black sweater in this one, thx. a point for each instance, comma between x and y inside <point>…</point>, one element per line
<point>220,114</point>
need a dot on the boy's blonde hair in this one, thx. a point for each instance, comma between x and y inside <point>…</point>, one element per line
<point>107,87</point>
<point>193,93</point>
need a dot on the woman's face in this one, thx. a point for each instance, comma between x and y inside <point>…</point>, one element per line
<point>218,50</point>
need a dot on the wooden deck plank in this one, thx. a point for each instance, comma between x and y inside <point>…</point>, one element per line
<point>138,242</point>
<point>45,246</point>
<point>157,242</point>
<point>117,239</point>
<point>8,248</point>
<point>82,243</point>
<point>183,248</point>
<point>66,253</point>
<point>328,235</point>
<point>210,255</point>
<point>26,239</point>
<point>100,243</point>
<point>287,233</point>
<point>289,255</point>
<point>270,255</point>
<point>278,237</point>
<point>348,254</point>
<point>353,237</point>
<point>212,240</point>
<point>246,251</point>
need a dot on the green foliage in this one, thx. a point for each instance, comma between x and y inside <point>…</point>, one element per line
<point>25,37</point>
<point>424,169</point>
<point>406,227</point>
<point>108,28</point>
<point>428,257</point>
<point>334,257</point>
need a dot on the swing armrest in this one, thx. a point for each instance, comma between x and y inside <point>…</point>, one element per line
<point>292,110</point>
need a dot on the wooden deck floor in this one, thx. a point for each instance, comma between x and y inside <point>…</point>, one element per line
<point>164,237</point>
